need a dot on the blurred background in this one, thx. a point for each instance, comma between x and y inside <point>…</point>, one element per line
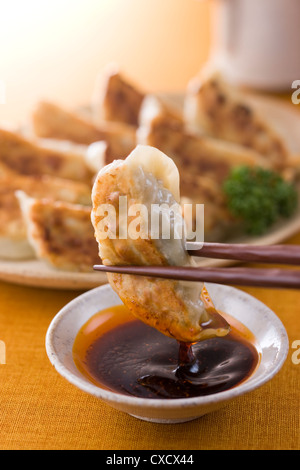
<point>54,49</point>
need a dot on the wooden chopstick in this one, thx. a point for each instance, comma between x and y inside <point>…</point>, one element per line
<point>276,278</point>
<point>281,254</point>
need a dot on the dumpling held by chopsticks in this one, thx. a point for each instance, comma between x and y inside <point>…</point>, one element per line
<point>145,182</point>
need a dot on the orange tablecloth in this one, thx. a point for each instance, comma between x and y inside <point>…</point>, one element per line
<point>40,410</point>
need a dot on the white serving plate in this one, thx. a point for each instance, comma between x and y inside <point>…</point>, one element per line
<point>36,273</point>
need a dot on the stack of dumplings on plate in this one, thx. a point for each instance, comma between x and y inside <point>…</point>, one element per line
<point>47,169</point>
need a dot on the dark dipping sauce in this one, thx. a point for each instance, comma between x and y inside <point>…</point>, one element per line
<point>125,355</point>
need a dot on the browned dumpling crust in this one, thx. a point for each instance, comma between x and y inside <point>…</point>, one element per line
<point>147,176</point>
<point>13,236</point>
<point>216,108</point>
<point>27,157</point>
<point>203,162</point>
<point>60,233</point>
<point>52,121</point>
<point>116,98</point>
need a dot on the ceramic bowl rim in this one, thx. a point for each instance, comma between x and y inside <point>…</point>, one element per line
<point>83,384</point>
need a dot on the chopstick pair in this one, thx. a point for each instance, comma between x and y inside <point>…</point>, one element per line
<point>242,276</point>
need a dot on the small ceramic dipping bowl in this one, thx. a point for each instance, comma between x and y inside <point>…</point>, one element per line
<point>270,334</point>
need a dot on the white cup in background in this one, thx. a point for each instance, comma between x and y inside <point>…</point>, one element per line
<point>256,43</point>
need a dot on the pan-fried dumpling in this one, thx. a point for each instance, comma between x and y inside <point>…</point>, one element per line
<point>13,237</point>
<point>116,98</point>
<point>149,177</point>
<point>204,162</point>
<point>216,108</point>
<point>60,233</point>
<point>50,121</point>
<point>29,157</point>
